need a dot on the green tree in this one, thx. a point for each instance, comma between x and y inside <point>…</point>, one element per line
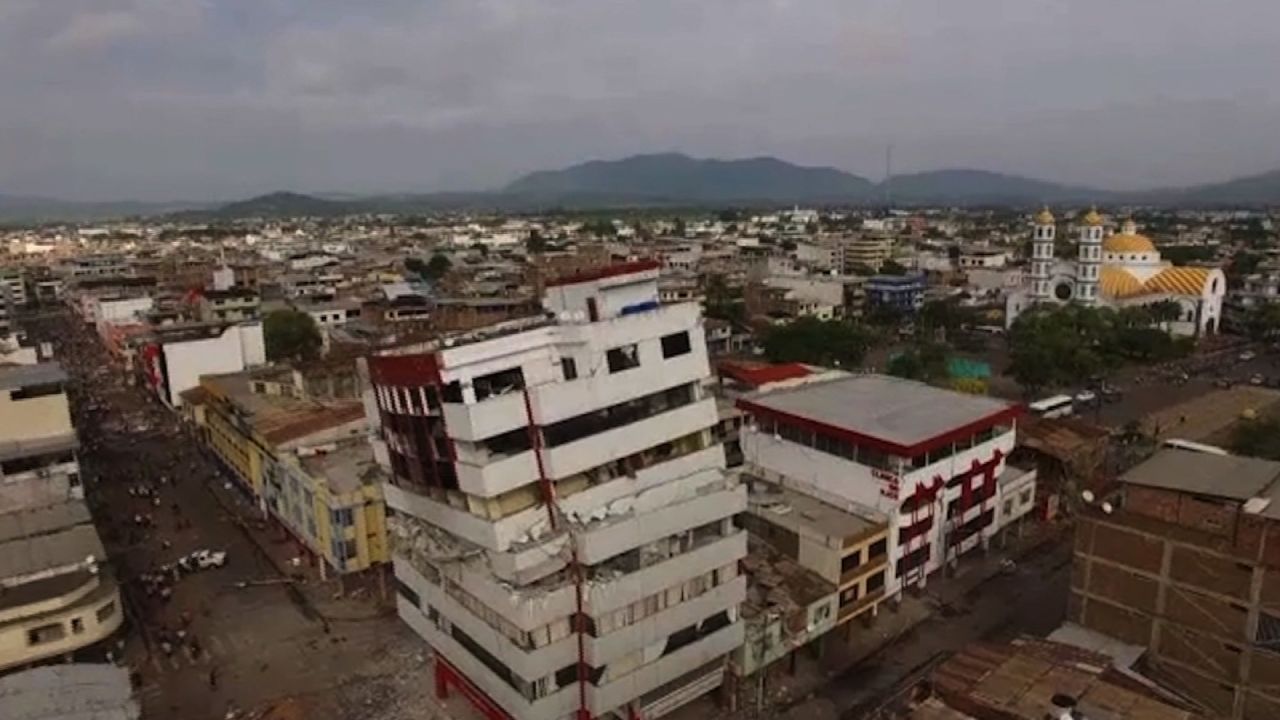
<point>438,266</point>
<point>290,335</point>
<point>925,361</point>
<point>892,267</point>
<point>416,266</point>
<point>1243,263</point>
<point>1165,312</point>
<point>817,342</point>
<point>1257,438</point>
<point>1263,321</point>
<point>535,242</point>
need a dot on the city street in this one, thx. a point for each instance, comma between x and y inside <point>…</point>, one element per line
<point>234,638</point>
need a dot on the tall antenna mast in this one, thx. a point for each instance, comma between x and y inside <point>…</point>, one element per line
<point>888,176</point>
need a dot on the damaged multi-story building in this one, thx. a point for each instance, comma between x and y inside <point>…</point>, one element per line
<point>561,521</point>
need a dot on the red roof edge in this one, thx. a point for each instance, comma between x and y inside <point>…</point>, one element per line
<point>607,271</point>
<point>755,376</point>
<point>888,446</point>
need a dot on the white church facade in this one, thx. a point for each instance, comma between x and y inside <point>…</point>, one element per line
<point>1121,270</point>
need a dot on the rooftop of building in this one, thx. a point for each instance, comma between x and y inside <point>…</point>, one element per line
<point>902,416</point>
<point>778,584</point>
<point>75,691</point>
<point>807,515</point>
<point>19,376</point>
<point>1232,477</point>
<point>347,467</point>
<point>1021,679</point>
<point>280,418</point>
<point>41,539</point>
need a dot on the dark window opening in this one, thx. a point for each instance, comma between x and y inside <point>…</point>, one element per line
<point>499,383</point>
<point>875,582</point>
<point>511,442</point>
<point>911,532</point>
<point>675,344</point>
<point>913,560</point>
<point>615,416</point>
<point>35,391</point>
<point>850,562</point>
<point>878,548</point>
<point>569,367</point>
<point>407,593</point>
<point>623,358</point>
<point>452,393</point>
<point>849,596</point>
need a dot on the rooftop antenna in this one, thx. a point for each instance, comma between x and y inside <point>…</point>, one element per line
<point>888,176</point>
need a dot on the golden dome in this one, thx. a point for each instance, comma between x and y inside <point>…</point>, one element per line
<point>1128,243</point>
<point>1093,219</point>
<point>1044,217</point>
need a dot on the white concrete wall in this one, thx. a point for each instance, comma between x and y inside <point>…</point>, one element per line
<point>123,310</point>
<point>237,348</point>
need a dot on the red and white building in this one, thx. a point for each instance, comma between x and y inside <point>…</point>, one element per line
<point>560,519</point>
<point>932,461</point>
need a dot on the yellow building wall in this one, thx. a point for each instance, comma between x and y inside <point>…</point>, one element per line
<point>240,451</point>
<point>368,529</point>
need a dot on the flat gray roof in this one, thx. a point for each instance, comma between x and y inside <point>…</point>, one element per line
<point>19,376</point>
<point>69,546</point>
<point>79,691</point>
<point>904,413</point>
<point>29,522</point>
<point>11,449</point>
<point>1225,476</point>
<point>804,514</point>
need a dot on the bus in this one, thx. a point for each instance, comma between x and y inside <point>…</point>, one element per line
<point>1194,447</point>
<point>1054,407</point>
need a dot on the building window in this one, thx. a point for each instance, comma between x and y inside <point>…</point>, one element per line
<point>1008,507</point>
<point>849,596</point>
<point>878,548</point>
<point>1025,497</point>
<point>342,517</point>
<point>850,562</point>
<point>675,344</point>
<point>77,625</point>
<point>623,358</point>
<point>46,634</point>
<point>570,368</point>
<point>106,611</point>
<point>875,582</point>
<point>407,593</point>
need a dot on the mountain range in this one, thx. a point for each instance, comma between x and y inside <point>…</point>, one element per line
<point>675,180</point>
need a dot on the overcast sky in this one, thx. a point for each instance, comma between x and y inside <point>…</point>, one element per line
<point>217,99</point>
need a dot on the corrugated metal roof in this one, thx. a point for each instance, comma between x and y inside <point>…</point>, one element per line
<point>1225,476</point>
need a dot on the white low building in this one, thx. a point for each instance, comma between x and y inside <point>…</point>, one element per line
<point>932,461</point>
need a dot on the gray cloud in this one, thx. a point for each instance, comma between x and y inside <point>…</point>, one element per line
<point>224,98</point>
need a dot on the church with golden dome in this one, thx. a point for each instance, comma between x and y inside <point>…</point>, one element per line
<point>1123,269</point>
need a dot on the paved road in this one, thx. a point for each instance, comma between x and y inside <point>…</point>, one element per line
<point>1030,601</point>
<point>261,641</point>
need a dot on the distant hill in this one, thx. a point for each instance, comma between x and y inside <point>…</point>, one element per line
<point>980,187</point>
<point>673,179</point>
<point>1252,190</point>
<point>676,178</point>
<point>25,209</point>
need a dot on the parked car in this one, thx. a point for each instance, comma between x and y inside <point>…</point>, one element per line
<point>1247,355</point>
<point>1256,379</point>
<point>1086,397</point>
